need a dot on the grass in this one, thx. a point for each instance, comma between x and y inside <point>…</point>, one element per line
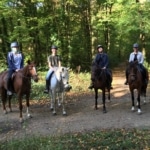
<point>120,139</point>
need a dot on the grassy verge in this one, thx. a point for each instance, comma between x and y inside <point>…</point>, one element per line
<point>96,140</point>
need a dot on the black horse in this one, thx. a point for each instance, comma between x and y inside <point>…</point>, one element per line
<point>136,81</point>
<point>102,79</point>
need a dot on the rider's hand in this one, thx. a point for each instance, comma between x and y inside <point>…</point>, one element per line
<point>104,68</point>
<point>17,70</point>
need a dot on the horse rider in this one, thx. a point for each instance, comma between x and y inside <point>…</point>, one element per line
<point>136,55</point>
<point>54,61</point>
<point>15,62</point>
<point>101,60</point>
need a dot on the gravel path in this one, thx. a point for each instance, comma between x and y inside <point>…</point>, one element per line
<point>81,114</point>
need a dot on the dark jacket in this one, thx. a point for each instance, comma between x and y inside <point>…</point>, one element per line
<point>101,59</point>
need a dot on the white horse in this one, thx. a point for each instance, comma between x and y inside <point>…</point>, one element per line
<point>59,83</point>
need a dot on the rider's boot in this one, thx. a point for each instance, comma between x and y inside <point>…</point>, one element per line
<point>9,87</point>
<point>126,82</point>
<point>91,86</point>
<point>47,87</point>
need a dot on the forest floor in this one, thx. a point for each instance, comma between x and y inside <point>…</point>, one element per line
<point>81,114</point>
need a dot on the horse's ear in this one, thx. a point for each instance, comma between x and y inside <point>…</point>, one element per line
<point>68,68</point>
<point>28,62</point>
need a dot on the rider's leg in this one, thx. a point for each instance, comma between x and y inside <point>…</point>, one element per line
<point>9,82</point>
<point>48,76</point>
<point>144,73</point>
<point>109,74</point>
<point>126,73</point>
<point>91,85</point>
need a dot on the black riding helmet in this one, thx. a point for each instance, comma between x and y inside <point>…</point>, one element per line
<point>135,45</point>
<point>54,47</point>
<point>99,46</point>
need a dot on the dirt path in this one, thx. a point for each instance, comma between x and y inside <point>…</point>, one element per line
<point>81,115</point>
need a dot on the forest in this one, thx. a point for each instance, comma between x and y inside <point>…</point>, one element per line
<point>76,27</point>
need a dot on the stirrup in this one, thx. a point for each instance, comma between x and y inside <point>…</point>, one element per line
<point>126,83</point>
<point>90,87</point>
<point>46,91</point>
<point>111,87</point>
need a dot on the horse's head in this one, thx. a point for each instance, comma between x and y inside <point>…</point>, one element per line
<point>31,70</point>
<point>63,74</point>
<point>96,71</point>
<point>133,69</point>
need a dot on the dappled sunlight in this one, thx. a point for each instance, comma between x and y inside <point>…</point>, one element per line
<point>120,91</point>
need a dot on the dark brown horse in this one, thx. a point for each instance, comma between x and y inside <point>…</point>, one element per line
<point>102,81</point>
<point>21,86</point>
<point>135,80</point>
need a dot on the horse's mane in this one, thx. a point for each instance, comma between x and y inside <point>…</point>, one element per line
<point>97,71</point>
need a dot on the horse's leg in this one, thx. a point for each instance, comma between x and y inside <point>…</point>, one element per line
<point>28,105</point>
<point>20,107</point>
<point>144,94</point>
<point>58,99</point>
<point>63,104</point>
<point>132,97</point>
<point>139,105</point>
<point>9,103</point>
<point>96,97</point>
<point>54,99</point>
<point>4,100</point>
<point>109,95</point>
<point>103,99</point>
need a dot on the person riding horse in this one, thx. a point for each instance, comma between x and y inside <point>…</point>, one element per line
<point>101,60</point>
<point>54,61</point>
<point>136,55</point>
<point>15,62</point>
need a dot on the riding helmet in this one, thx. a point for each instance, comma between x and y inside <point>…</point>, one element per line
<point>53,47</point>
<point>98,46</point>
<point>14,44</point>
<point>135,45</point>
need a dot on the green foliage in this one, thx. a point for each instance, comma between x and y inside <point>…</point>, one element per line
<point>100,139</point>
<point>77,27</point>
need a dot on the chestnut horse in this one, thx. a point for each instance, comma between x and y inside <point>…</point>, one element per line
<point>21,86</point>
<point>102,81</point>
<point>135,80</point>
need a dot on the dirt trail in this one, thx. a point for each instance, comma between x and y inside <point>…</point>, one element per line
<point>81,114</point>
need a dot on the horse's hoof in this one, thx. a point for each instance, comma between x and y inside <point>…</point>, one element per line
<point>21,120</point>
<point>104,111</point>
<point>54,113</point>
<point>5,112</point>
<point>132,109</point>
<point>29,115</point>
<point>139,112</point>
<point>51,109</point>
<point>144,102</point>
<point>59,105</point>
<point>64,114</point>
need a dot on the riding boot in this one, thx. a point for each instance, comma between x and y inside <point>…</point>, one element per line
<point>91,85</point>
<point>126,82</point>
<point>47,87</point>
<point>9,87</point>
